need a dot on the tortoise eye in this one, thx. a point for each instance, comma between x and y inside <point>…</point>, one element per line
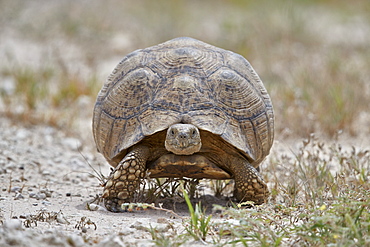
<point>193,132</point>
<point>172,132</point>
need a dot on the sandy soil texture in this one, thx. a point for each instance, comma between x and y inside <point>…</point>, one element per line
<point>45,185</point>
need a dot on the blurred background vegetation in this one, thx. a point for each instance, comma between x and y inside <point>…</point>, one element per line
<point>313,56</point>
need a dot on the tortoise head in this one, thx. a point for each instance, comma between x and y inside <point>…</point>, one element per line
<point>183,139</point>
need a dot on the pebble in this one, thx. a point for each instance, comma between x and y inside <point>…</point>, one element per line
<point>96,207</point>
<point>45,173</point>
<point>40,196</point>
<point>61,219</point>
<point>32,195</point>
<point>18,196</point>
<point>47,192</point>
<point>46,203</point>
<point>15,189</point>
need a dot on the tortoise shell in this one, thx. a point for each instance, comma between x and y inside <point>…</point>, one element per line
<point>183,81</point>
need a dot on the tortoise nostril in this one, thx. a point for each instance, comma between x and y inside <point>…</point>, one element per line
<point>183,136</point>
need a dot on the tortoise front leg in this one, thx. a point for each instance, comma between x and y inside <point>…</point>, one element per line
<point>249,185</point>
<point>125,178</point>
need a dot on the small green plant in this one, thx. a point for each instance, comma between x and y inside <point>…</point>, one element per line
<point>199,224</point>
<point>164,240</point>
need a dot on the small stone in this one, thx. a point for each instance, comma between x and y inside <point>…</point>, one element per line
<point>41,196</point>
<point>32,195</point>
<point>96,207</point>
<point>47,192</point>
<point>15,189</point>
<point>45,173</point>
<point>18,196</point>
<point>46,203</point>
<point>61,219</point>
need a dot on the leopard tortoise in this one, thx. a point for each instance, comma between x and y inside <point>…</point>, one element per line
<point>183,108</point>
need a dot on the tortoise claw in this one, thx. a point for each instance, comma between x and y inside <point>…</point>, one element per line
<point>114,205</point>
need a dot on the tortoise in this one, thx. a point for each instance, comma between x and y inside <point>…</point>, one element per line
<point>183,108</point>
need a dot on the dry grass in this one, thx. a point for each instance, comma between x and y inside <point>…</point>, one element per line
<point>45,95</point>
<point>320,198</point>
<point>312,56</point>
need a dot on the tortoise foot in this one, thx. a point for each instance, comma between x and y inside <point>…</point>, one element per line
<point>124,180</point>
<point>250,186</point>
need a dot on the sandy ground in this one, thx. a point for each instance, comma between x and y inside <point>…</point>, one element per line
<point>44,175</point>
<point>46,183</point>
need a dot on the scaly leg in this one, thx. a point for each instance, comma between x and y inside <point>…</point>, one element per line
<point>249,185</point>
<point>125,178</point>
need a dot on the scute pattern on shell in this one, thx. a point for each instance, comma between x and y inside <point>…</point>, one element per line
<point>184,80</point>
